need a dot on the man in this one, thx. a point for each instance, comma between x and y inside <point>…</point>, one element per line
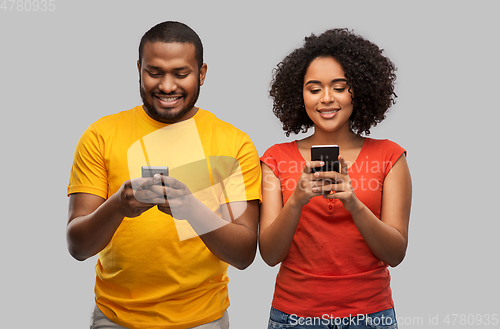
<point>164,242</point>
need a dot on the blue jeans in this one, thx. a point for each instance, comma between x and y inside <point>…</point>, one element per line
<point>383,319</point>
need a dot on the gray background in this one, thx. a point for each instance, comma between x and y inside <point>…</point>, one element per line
<point>62,70</point>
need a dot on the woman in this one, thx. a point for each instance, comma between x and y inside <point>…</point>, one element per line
<point>334,234</point>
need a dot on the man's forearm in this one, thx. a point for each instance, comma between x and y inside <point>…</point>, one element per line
<point>234,244</point>
<point>88,234</point>
<point>233,238</point>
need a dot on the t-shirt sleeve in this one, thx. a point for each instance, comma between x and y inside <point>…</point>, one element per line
<point>250,167</point>
<point>244,181</point>
<point>89,173</point>
<point>269,159</point>
<point>394,152</point>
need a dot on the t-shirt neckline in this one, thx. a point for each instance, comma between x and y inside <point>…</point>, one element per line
<point>361,152</point>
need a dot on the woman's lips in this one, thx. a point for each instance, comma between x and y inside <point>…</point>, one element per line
<point>328,113</point>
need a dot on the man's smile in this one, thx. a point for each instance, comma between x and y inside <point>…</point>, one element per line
<point>168,101</point>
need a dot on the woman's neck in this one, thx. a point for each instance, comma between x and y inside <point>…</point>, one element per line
<point>349,144</point>
<point>344,139</point>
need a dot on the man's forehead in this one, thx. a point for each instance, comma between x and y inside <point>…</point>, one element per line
<point>158,50</point>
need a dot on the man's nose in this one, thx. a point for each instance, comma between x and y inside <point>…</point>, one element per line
<point>168,84</point>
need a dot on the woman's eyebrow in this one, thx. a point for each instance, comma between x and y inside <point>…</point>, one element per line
<point>312,82</point>
<point>319,82</point>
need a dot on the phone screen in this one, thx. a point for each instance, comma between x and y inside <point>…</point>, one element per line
<point>150,171</point>
<point>327,153</point>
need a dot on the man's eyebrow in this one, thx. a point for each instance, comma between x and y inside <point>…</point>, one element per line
<point>182,68</point>
<point>312,82</point>
<point>152,67</point>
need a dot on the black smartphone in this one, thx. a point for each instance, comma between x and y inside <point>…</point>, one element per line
<point>150,171</point>
<point>327,153</point>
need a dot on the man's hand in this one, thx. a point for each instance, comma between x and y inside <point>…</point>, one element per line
<point>170,195</point>
<point>92,220</point>
<point>135,197</point>
<point>232,238</point>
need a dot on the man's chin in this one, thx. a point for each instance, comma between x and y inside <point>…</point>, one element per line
<point>166,115</point>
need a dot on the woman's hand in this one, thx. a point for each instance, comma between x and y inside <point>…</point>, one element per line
<point>329,184</point>
<point>386,237</point>
<point>341,187</point>
<point>310,184</point>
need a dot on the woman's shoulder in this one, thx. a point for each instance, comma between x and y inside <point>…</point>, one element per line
<point>384,151</point>
<point>279,148</point>
<point>383,145</point>
<point>283,158</point>
<point>281,153</point>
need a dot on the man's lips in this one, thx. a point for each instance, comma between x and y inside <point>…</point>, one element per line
<point>168,101</point>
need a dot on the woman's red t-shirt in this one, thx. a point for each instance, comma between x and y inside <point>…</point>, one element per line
<point>330,271</point>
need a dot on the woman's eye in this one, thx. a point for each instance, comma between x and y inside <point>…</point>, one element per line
<point>315,91</point>
<point>339,89</point>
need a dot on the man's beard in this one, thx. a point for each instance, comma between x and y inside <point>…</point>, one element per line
<point>167,116</point>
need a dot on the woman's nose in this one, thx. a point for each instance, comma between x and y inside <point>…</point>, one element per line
<point>327,96</point>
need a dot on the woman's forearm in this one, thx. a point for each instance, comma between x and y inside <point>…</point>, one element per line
<point>276,240</point>
<point>386,242</point>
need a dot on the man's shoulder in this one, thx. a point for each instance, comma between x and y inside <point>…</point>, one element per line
<point>115,118</point>
<point>219,126</point>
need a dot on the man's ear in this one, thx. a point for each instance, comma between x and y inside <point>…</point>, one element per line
<point>139,68</point>
<point>203,73</point>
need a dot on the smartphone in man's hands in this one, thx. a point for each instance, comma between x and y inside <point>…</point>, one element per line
<point>150,171</point>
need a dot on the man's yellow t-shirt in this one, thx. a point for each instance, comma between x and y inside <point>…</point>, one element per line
<point>156,272</point>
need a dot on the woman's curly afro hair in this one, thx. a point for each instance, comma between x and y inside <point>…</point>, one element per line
<point>370,75</point>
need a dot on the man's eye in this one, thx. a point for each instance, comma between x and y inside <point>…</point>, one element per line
<point>182,76</point>
<point>154,75</point>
